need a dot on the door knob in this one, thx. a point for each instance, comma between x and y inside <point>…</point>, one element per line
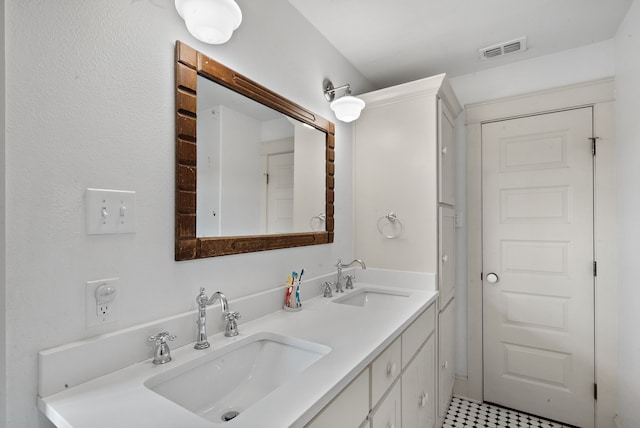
<point>492,278</point>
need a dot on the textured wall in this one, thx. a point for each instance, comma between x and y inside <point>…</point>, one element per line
<point>90,104</point>
<point>628,183</point>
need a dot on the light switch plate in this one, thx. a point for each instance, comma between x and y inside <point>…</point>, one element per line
<point>110,211</point>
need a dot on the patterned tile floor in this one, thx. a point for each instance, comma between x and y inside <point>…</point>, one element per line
<point>463,414</point>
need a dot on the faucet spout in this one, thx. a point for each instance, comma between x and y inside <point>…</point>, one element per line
<point>203,301</point>
<point>360,262</point>
<point>340,266</point>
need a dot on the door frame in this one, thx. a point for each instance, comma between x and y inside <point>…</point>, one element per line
<point>600,95</point>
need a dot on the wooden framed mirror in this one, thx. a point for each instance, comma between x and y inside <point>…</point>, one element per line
<point>191,67</point>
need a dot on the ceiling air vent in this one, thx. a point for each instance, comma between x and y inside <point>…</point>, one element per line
<point>505,48</point>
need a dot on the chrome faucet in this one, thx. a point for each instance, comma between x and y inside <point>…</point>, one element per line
<point>340,266</point>
<point>203,301</point>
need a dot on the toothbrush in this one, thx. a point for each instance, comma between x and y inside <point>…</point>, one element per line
<point>300,277</point>
<point>287,299</point>
<point>298,302</point>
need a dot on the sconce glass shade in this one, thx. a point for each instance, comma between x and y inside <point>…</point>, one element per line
<point>210,21</point>
<point>348,108</point>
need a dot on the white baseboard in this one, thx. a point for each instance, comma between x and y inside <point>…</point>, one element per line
<point>618,422</point>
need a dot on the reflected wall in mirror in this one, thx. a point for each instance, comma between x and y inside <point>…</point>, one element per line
<point>254,171</point>
<point>259,171</point>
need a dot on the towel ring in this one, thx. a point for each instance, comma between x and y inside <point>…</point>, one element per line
<point>316,222</point>
<point>390,220</point>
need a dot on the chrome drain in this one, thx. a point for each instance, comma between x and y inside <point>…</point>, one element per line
<point>229,415</point>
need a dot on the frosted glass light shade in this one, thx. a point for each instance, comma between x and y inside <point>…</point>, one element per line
<point>348,108</point>
<point>210,21</point>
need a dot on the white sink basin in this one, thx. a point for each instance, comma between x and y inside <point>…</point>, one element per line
<point>224,383</point>
<point>371,298</point>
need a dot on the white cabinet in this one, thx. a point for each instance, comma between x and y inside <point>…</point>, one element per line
<point>419,389</point>
<point>404,162</point>
<point>446,156</point>
<point>385,370</point>
<point>416,334</point>
<point>398,389</point>
<point>388,413</point>
<point>446,360</point>
<point>447,253</point>
<point>349,409</point>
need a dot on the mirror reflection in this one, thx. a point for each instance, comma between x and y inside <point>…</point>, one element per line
<point>228,146</point>
<point>258,171</point>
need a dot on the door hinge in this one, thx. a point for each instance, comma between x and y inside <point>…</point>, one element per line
<point>267,176</point>
<point>595,391</point>
<point>595,268</point>
<point>593,144</point>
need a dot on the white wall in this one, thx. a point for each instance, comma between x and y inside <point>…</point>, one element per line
<point>3,366</point>
<point>240,173</point>
<point>582,64</point>
<point>627,43</point>
<point>90,103</point>
<point>309,184</point>
<point>208,172</point>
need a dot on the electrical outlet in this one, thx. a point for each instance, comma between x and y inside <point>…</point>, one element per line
<point>102,302</point>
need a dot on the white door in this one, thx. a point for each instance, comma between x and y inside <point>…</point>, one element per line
<point>280,193</point>
<point>538,309</point>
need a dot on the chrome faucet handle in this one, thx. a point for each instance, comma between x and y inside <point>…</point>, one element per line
<point>326,289</point>
<point>231,329</point>
<point>349,284</point>
<point>161,353</point>
<point>201,298</point>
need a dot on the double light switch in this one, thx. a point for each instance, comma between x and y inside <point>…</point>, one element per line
<point>110,211</point>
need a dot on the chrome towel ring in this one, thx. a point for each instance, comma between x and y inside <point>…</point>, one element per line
<point>390,226</point>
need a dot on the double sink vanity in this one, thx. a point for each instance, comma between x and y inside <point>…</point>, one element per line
<point>339,362</point>
<point>362,357</point>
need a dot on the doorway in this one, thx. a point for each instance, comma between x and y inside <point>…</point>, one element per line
<point>538,258</point>
<point>599,96</point>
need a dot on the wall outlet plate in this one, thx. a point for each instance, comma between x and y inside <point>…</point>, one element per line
<point>102,302</point>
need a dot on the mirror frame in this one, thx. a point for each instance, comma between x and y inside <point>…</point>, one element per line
<point>189,64</point>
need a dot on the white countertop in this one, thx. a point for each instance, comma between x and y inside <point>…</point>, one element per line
<point>356,335</point>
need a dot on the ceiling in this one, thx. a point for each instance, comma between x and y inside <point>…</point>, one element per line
<point>396,41</point>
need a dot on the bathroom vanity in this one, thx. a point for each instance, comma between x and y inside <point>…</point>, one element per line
<point>366,356</point>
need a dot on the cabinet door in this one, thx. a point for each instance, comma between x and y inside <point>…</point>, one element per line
<point>389,413</point>
<point>446,253</point>
<point>349,408</point>
<point>419,388</point>
<point>446,350</point>
<point>446,156</point>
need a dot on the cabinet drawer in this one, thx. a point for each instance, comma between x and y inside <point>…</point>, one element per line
<point>384,370</point>
<point>415,335</point>
<point>349,408</point>
<point>388,414</point>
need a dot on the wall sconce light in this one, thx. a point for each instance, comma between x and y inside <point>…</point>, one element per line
<point>346,108</point>
<point>210,21</point>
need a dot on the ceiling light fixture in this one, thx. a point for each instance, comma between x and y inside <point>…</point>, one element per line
<point>210,21</point>
<point>347,108</point>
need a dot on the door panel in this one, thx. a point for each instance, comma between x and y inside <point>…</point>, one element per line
<point>280,193</point>
<point>538,239</point>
